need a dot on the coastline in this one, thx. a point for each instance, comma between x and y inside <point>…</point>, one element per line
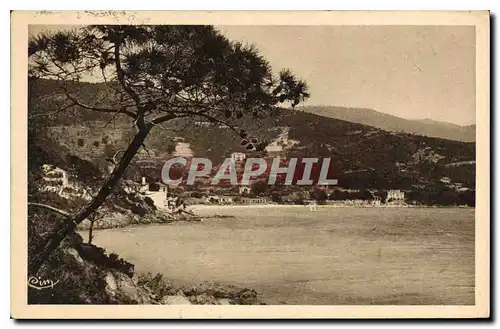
<point>199,209</point>
<point>267,254</point>
<point>195,207</point>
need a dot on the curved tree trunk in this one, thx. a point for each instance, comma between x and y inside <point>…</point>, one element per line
<point>71,222</point>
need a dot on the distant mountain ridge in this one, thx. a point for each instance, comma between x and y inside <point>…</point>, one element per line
<point>426,127</point>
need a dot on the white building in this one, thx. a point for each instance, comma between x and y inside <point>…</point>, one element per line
<point>144,185</point>
<point>395,195</point>
<point>258,200</point>
<point>238,156</point>
<point>219,199</point>
<point>159,198</point>
<point>183,150</point>
<point>376,201</point>
<point>244,190</point>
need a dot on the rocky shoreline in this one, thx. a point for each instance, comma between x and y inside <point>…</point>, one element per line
<point>86,274</point>
<point>120,221</point>
<point>156,290</point>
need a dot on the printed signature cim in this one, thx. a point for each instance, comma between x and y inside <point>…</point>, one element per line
<point>39,283</point>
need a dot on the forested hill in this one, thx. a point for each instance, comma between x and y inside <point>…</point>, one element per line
<point>368,157</point>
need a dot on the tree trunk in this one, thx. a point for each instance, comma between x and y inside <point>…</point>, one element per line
<point>110,183</point>
<point>91,230</point>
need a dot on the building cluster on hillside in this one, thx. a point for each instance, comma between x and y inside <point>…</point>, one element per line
<point>56,181</point>
<point>225,193</point>
<point>228,200</point>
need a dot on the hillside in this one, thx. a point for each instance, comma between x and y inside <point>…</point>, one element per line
<point>366,157</point>
<point>426,127</point>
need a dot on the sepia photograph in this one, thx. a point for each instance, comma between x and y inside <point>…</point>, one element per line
<point>250,165</point>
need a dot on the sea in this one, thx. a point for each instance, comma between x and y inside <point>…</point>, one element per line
<point>332,256</point>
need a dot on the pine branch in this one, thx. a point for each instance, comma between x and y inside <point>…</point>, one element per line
<point>46,206</point>
<point>100,109</point>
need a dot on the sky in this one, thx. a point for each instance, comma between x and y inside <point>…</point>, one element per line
<point>414,72</point>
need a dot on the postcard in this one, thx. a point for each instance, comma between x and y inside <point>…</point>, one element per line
<point>245,165</point>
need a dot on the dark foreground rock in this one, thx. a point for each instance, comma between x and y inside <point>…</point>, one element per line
<point>86,274</point>
<point>219,294</point>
